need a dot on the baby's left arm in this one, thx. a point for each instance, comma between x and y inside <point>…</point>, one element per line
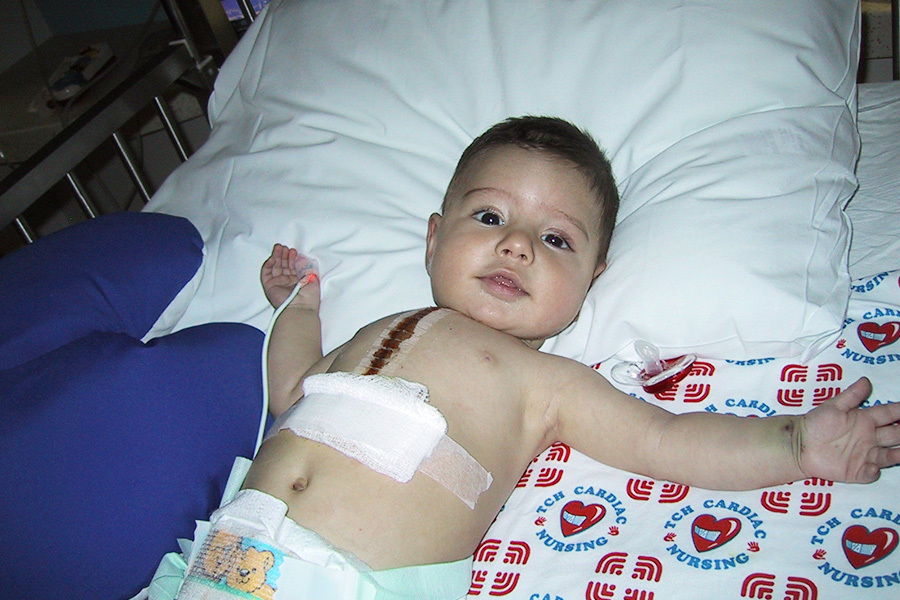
<point>837,441</point>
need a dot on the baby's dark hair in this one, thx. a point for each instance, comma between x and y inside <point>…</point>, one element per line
<point>561,139</point>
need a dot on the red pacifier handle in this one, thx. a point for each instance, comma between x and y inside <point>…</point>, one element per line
<point>652,373</point>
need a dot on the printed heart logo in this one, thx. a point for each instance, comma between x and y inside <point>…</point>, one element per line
<point>874,336</point>
<point>576,517</point>
<point>863,547</point>
<point>709,533</point>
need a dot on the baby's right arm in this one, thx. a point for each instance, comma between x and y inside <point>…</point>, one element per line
<point>295,343</point>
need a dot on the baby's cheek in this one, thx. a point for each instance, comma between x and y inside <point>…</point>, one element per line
<point>565,307</point>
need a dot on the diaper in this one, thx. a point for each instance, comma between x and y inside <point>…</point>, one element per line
<point>250,549</point>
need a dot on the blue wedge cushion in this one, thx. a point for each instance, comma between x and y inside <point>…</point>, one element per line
<point>112,447</point>
<point>116,273</point>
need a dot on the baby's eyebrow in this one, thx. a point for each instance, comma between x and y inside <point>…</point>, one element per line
<point>575,222</point>
<point>484,189</point>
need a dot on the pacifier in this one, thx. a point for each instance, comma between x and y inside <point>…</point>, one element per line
<point>652,373</point>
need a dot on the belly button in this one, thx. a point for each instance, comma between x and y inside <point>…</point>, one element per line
<point>299,484</point>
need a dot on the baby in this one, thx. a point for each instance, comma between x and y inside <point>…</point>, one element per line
<point>393,454</point>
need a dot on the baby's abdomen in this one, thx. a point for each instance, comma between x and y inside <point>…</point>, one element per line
<point>383,522</point>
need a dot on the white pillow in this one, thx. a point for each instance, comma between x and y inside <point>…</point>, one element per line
<point>336,127</point>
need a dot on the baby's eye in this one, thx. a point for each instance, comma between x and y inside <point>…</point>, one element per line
<point>488,217</point>
<point>557,240</point>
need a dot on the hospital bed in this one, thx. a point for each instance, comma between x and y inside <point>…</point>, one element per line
<point>758,230</point>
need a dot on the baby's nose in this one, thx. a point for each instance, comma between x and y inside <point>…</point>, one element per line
<point>516,245</point>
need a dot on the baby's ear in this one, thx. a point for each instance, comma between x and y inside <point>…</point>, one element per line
<point>433,221</point>
<point>601,266</point>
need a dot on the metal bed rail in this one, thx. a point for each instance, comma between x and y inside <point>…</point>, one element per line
<point>203,31</point>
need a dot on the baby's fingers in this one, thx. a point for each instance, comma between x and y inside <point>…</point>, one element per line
<point>887,413</point>
<point>877,459</point>
<point>891,457</point>
<point>868,473</point>
<point>854,395</point>
<point>884,457</point>
<point>280,260</point>
<point>888,436</point>
<point>281,252</point>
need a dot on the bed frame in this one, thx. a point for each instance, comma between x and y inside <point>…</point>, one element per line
<point>201,39</point>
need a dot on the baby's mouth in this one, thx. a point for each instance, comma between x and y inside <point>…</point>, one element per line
<point>503,285</point>
<point>505,282</point>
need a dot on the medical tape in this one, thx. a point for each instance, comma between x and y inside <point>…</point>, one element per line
<point>386,424</point>
<point>397,339</point>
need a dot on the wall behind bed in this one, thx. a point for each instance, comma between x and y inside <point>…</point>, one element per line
<point>876,54</point>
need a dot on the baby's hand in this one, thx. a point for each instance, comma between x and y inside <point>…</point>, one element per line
<point>839,441</point>
<point>282,271</point>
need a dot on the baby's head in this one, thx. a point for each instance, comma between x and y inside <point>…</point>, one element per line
<point>555,138</point>
<point>525,227</point>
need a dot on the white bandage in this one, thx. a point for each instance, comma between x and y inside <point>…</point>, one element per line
<point>386,424</point>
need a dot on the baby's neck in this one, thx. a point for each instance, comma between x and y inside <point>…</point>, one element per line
<point>533,344</point>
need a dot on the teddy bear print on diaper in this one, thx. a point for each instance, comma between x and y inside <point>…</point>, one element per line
<point>233,566</point>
